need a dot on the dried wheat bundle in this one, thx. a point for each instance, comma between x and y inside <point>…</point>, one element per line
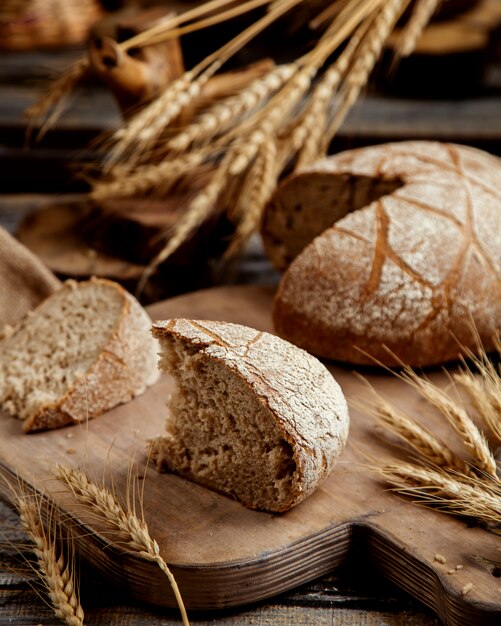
<point>287,117</point>
<point>439,477</point>
<point>54,567</point>
<point>128,529</point>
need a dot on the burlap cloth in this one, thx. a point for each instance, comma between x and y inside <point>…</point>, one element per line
<point>24,280</point>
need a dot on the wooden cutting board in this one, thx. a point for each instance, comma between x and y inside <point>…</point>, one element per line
<point>225,555</point>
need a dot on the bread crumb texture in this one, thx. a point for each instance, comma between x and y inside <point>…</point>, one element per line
<point>84,350</point>
<point>406,273</point>
<point>253,416</point>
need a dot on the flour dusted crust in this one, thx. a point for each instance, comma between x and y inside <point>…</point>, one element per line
<point>297,398</point>
<point>407,274</point>
<point>124,365</point>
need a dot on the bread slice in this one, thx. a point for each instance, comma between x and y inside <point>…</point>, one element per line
<point>253,416</point>
<point>84,350</point>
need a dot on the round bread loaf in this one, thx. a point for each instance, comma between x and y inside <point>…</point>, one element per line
<point>253,416</point>
<point>395,251</point>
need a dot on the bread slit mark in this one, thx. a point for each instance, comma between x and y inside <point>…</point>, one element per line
<point>252,342</point>
<point>219,340</point>
<point>383,251</point>
<point>380,248</point>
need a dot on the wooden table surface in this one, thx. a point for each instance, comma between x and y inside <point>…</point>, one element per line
<point>345,597</point>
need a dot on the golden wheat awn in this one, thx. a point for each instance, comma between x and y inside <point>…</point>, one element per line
<point>56,573</point>
<point>130,531</point>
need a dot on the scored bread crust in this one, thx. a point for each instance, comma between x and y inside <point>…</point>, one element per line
<point>300,395</point>
<point>126,366</point>
<point>404,278</point>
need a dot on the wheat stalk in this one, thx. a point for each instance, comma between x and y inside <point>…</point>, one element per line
<point>370,50</point>
<point>422,13</point>
<point>55,573</point>
<point>438,488</point>
<point>129,529</point>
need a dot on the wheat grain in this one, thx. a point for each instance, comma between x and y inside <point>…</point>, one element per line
<point>55,573</point>
<point>272,118</point>
<point>421,15</point>
<point>127,137</point>
<point>130,530</point>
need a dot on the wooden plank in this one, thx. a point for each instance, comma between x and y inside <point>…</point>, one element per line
<point>223,554</point>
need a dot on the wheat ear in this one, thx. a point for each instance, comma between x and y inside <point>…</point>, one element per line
<point>370,50</point>
<point>254,195</point>
<point>471,436</point>
<point>55,573</point>
<point>438,488</point>
<point>420,439</point>
<point>232,109</point>
<point>161,176</point>
<point>272,117</point>
<point>130,530</point>
<point>422,13</point>
<point>150,122</point>
<point>484,400</point>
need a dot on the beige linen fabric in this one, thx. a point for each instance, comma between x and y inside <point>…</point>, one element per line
<point>24,280</point>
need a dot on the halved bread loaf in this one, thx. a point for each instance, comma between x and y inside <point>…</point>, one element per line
<point>252,417</point>
<point>393,253</point>
<point>84,350</point>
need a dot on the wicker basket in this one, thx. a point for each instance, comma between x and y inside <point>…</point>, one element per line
<point>28,24</point>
